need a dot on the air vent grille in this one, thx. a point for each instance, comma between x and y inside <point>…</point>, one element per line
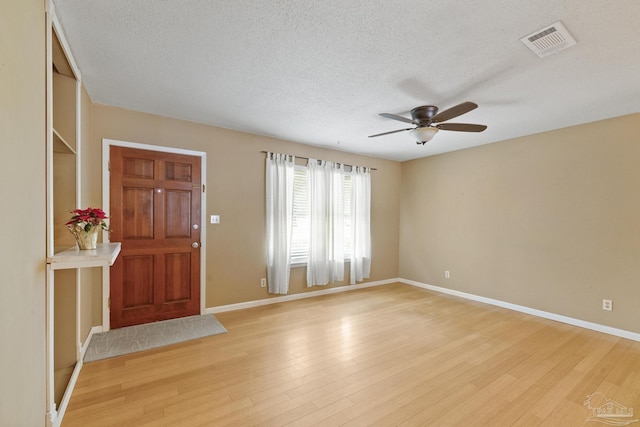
<point>549,40</point>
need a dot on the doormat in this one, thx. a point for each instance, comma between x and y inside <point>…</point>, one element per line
<point>132,339</point>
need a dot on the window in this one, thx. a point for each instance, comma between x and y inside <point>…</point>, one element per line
<point>301,226</point>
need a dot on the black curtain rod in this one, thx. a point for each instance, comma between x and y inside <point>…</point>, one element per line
<point>306,158</point>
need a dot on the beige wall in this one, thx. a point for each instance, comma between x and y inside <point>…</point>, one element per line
<point>23,248</point>
<point>90,278</point>
<point>64,200</point>
<point>235,191</point>
<point>90,195</point>
<point>549,221</point>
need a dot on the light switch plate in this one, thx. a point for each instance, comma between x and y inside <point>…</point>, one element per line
<point>215,219</point>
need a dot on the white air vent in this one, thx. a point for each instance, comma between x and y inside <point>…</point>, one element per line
<point>549,40</point>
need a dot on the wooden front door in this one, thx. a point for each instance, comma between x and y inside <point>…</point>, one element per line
<point>155,213</point>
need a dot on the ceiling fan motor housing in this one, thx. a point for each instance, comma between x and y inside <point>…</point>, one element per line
<point>422,115</point>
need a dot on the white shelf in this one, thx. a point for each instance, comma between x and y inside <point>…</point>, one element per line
<point>103,256</point>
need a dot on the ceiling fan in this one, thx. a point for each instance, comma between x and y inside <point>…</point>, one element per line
<point>428,122</point>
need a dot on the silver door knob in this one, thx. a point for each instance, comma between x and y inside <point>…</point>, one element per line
<point>196,226</point>
<point>195,245</point>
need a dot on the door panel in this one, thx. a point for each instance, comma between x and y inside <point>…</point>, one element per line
<point>177,277</point>
<point>137,168</point>
<point>177,207</point>
<point>155,213</point>
<point>137,204</point>
<point>138,281</point>
<point>178,171</point>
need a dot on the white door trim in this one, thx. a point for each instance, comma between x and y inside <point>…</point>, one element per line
<point>106,149</point>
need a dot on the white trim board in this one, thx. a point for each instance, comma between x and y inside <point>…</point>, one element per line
<point>532,311</point>
<point>66,397</point>
<point>82,349</point>
<point>292,297</point>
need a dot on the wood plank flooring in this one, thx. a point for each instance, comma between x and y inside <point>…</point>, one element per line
<point>392,355</point>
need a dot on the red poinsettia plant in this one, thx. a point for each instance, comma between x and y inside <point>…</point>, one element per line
<point>87,219</point>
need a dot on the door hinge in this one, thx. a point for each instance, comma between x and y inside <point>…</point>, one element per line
<point>109,302</point>
<point>203,188</point>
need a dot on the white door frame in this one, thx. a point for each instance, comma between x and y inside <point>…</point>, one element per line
<point>106,149</point>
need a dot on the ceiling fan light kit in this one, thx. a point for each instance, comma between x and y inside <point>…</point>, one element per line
<point>428,122</point>
<point>423,134</point>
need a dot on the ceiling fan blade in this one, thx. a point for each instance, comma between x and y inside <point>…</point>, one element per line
<point>387,133</point>
<point>461,127</point>
<point>396,117</point>
<point>452,112</point>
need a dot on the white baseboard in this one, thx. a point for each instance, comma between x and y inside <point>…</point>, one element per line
<point>67,393</point>
<point>292,297</point>
<point>85,345</point>
<point>535,312</point>
<point>62,408</point>
<point>520,308</point>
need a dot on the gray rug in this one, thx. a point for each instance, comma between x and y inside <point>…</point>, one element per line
<point>131,339</point>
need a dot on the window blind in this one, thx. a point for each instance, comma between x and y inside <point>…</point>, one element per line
<point>301,225</point>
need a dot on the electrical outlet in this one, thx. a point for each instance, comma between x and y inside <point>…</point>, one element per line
<point>447,274</point>
<point>263,283</point>
<point>607,305</point>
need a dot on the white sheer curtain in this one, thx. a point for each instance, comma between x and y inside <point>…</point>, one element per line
<point>360,224</point>
<point>326,211</point>
<point>279,195</point>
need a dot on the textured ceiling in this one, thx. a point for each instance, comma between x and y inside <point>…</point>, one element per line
<point>319,72</point>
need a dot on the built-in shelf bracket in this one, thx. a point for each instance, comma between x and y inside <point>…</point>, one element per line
<point>60,145</point>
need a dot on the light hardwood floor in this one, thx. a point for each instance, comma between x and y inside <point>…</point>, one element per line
<point>388,355</point>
